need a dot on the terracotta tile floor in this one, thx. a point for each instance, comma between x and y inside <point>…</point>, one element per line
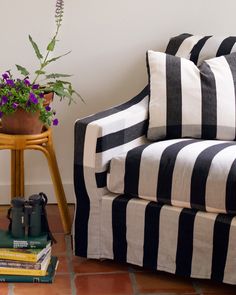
<point>80,276</point>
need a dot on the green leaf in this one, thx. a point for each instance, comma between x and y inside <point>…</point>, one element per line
<point>39,72</point>
<point>56,75</point>
<point>22,70</point>
<point>56,58</point>
<point>36,49</point>
<point>79,96</point>
<point>51,45</point>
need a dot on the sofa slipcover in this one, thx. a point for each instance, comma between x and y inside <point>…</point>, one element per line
<point>128,229</point>
<point>125,228</point>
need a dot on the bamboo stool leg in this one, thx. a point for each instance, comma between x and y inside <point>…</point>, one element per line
<point>58,188</point>
<point>21,176</point>
<point>13,173</point>
<point>17,173</point>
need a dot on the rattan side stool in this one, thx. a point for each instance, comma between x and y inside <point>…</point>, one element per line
<point>41,142</point>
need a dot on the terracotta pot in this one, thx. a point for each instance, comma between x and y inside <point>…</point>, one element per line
<point>48,98</point>
<point>21,122</point>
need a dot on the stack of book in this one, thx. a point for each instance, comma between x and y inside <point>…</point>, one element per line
<point>26,260</point>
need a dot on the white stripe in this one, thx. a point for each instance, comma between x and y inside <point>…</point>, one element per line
<point>157,105</point>
<point>202,244</point>
<point>210,48</point>
<point>187,45</point>
<point>168,238</point>
<point>135,221</point>
<point>106,227</point>
<point>182,174</point>
<point>149,168</point>
<point>217,178</point>
<point>230,266</point>
<point>93,131</point>
<point>115,178</point>
<point>233,48</point>
<point>225,97</point>
<point>191,112</point>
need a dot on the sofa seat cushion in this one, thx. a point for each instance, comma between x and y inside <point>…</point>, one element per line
<point>188,173</point>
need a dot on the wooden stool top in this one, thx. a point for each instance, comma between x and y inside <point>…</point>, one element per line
<point>18,142</point>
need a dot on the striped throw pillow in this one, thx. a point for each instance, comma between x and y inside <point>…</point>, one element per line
<point>191,101</point>
<point>197,48</point>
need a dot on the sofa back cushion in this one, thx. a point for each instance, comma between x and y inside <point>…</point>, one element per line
<point>191,101</point>
<point>197,48</point>
<point>189,173</point>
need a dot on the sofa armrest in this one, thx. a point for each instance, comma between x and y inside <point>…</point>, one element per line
<point>98,138</point>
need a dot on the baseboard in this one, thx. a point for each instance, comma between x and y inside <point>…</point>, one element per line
<point>30,189</point>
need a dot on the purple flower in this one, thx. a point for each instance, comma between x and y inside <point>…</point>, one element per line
<point>35,86</point>
<point>4,100</point>
<point>5,76</point>
<point>48,108</point>
<point>10,82</point>
<point>15,105</point>
<point>55,122</point>
<point>1,114</point>
<point>27,82</point>
<point>33,98</point>
<point>41,95</point>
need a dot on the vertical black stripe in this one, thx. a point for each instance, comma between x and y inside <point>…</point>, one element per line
<point>185,242</point>
<point>132,165</point>
<point>231,59</point>
<point>209,102</point>
<point>166,168</point>
<point>119,206</point>
<point>151,235</point>
<point>197,49</point>
<point>220,246</point>
<point>149,74</point>
<point>230,198</point>
<point>83,202</point>
<point>174,97</point>
<point>200,173</point>
<point>226,46</point>
<point>175,43</point>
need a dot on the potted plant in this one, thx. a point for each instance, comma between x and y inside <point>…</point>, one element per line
<point>24,105</point>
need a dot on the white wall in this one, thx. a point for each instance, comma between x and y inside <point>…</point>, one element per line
<point>108,40</point>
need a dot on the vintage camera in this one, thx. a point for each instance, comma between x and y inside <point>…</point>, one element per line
<point>28,217</point>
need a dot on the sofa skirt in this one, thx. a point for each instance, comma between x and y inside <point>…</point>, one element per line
<point>181,241</point>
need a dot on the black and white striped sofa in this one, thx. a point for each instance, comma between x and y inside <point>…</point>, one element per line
<point>162,215</point>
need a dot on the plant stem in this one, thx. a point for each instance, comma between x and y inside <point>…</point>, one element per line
<point>43,64</point>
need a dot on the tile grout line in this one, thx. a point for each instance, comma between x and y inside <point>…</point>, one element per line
<point>197,287</point>
<point>133,282</point>
<point>69,263</point>
<point>11,289</point>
